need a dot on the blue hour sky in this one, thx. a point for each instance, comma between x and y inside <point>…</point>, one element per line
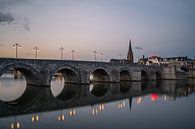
<point>155,27</point>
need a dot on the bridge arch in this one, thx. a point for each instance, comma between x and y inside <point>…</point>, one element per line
<point>125,75</point>
<point>100,74</point>
<point>158,75</point>
<point>144,75</point>
<point>30,74</point>
<point>70,74</point>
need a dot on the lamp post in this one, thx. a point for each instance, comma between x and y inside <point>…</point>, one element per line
<point>36,49</point>
<point>16,45</point>
<point>72,53</point>
<point>95,54</point>
<point>101,56</point>
<point>62,52</point>
<point>120,56</point>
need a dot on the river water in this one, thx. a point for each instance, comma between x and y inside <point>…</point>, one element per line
<point>168,104</point>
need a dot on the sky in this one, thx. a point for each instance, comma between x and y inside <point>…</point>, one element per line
<point>155,27</point>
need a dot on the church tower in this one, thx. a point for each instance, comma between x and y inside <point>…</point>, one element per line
<point>130,53</point>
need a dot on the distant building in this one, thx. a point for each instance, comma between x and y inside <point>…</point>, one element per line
<point>184,63</point>
<point>153,60</point>
<point>130,53</point>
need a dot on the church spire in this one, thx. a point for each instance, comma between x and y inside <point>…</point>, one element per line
<point>130,53</point>
<point>130,50</point>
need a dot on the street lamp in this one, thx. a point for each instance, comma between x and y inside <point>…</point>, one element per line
<point>62,52</point>
<point>101,56</point>
<point>95,54</point>
<point>36,49</point>
<point>120,56</point>
<point>16,45</point>
<point>72,53</point>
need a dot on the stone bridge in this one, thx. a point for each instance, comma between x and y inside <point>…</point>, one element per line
<point>40,71</point>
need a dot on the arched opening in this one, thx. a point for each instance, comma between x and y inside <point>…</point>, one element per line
<point>144,75</point>
<point>99,89</point>
<point>57,85</point>
<point>125,75</point>
<point>158,75</point>
<point>22,70</point>
<point>125,86</point>
<point>99,75</point>
<point>69,75</point>
<point>65,84</point>
<point>12,85</point>
<point>14,79</point>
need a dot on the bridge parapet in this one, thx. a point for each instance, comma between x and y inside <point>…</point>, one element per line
<point>41,71</point>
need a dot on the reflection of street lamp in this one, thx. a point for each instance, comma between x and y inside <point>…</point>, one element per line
<point>16,45</point>
<point>138,100</point>
<point>61,116</point>
<point>72,112</point>
<point>62,52</point>
<point>15,124</point>
<point>98,109</point>
<point>95,54</point>
<point>72,53</point>
<point>101,56</point>
<point>36,49</point>
<point>121,105</point>
<point>35,118</point>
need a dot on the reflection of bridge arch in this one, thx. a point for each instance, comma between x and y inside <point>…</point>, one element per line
<point>125,86</point>
<point>125,75</point>
<point>99,89</point>
<point>69,92</point>
<point>100,74</point>
<point>30,96</point>
<point>29,72</point>
<point>70,74</point>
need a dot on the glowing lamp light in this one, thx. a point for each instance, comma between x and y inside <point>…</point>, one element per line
<point>15,125</point>
<point>35,118</point>
<point>61,117</point>
<point>72,112</point>
<point>154,96</point>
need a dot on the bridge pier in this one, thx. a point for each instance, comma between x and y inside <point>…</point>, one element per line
<point>45,77</point>
<point>152,75</point>
<point>136,76</point>
<point>168,73</point>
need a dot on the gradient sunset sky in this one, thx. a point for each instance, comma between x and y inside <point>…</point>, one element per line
<point>156,27</point>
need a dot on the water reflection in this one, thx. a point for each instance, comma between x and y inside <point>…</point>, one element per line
<point>57,85</point>
<point>12,86</point>
<point>99,89</point>
<point>125,86</point>
<point>107,103</point>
